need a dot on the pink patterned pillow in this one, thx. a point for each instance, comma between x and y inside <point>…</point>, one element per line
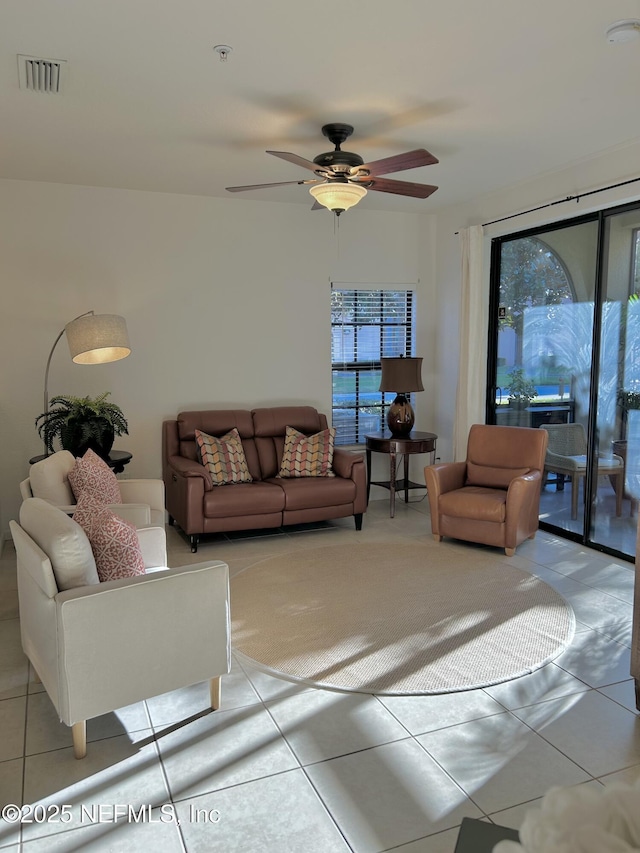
<point>114,541</point>
<point>92,477</point>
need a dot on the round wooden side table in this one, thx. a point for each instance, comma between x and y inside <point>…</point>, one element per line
<point>384,442</point>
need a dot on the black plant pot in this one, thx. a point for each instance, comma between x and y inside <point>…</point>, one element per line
<point>79,436</point>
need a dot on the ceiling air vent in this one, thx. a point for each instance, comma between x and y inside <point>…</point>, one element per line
<point>41,75</point>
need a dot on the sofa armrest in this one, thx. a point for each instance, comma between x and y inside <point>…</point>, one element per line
<point>137,514</point>
<point>124,641</point>
<point>444,477</point>
<point>139,491</point>
<point>344,462</point>
<point>153,544</point>
<point>523,501</point>
<point>188,468</point>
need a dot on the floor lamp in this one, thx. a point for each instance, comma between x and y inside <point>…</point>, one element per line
<point>93,339</point>
<point>402,376</point>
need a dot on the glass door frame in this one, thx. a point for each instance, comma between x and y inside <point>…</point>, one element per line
<point>601,218</point>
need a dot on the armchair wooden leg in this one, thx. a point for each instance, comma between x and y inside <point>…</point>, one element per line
<point>509,551</point>
<point>215,688</point>
<point>437,537</point>
<point>79,735</point>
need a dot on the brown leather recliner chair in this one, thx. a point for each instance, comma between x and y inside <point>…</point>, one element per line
<point>493,497</point>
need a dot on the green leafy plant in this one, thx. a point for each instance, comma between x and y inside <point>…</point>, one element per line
<point>81,423</point>
<point>521,389</point>
<point>629,399</point>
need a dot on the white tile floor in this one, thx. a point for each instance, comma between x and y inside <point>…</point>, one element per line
<point>287,768</point>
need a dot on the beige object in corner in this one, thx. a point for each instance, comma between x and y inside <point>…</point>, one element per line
<point>101,646</point>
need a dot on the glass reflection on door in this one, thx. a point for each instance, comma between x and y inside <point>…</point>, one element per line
<point>544,357</point>
<point>613,519</point>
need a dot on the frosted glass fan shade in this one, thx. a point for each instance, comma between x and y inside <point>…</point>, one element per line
<point>338,196</point>
<point>97,338</point>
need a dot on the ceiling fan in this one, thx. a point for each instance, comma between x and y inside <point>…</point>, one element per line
<point>343,177</point>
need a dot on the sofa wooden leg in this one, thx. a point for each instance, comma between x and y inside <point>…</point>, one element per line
<point>215,689</point>
<point>358,520</point>
<point>194,539</point>
<point>79,735</point>
<point>509,551</point>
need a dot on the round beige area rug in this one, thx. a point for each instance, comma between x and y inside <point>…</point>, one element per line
<point>396,619</point>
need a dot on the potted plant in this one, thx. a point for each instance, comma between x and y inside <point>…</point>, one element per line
<point>81,423</point>
<point>521,389</point>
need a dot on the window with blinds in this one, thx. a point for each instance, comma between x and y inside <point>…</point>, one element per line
<point>366,325</point>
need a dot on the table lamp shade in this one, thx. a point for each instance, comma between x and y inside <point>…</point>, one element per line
<point>402,376</point>
<point>97,338</point>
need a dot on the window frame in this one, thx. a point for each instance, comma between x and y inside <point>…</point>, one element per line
<point>384,323</point>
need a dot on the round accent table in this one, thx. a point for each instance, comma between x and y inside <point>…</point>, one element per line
<point>384,442</point>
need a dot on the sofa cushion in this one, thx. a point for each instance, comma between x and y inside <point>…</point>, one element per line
<point>114,541</point>
<point>492,477</point>
<point>49,478</point>
<point>316,492</point>
<point>63,541</point>
<point>475,502</point>
<point>223,457</point>
<point>307,455</point>
<point>243,499</point>
<point>92,477</point>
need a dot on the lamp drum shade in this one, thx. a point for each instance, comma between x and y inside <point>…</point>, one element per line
<point>401,375</point>
<point>97,338</point>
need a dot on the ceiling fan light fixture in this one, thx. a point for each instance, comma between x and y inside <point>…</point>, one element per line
<point>337,195</point>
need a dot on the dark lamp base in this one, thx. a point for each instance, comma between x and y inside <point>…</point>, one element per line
<point>400,417</point>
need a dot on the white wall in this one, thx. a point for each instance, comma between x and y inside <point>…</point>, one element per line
<point>613,167</point>
<point>226,301</point>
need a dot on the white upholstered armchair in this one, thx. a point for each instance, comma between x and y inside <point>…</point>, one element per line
<point>142,500</point>
<point>98,647</point>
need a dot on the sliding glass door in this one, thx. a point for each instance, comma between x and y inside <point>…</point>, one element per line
<point>564,356</point>
<point>617,423</point>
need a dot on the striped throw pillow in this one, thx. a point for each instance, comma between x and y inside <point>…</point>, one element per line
<point>224,457</point>
<point>307,455</point>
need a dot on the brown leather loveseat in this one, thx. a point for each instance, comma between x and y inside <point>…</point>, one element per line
<point>200,507</point>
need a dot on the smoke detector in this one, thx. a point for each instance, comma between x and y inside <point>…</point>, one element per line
<point>623,31</point>
<point>41,75</point>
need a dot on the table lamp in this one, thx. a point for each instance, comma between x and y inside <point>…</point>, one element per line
<point>402,376</point>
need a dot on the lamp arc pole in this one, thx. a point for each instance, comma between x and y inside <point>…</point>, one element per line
<point>46,372</point>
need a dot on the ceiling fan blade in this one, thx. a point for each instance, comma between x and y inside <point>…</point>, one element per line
<point>299,161</point>
<point>399,162</point>
<point>262,186</point>
<point>317,206</point>
<point>384,185</point>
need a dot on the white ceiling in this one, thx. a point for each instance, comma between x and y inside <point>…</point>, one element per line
<point>499,90</point>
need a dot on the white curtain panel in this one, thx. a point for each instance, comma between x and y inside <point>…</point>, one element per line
<point>472,378</point>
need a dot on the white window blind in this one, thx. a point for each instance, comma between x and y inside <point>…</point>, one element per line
<point>366,325</point>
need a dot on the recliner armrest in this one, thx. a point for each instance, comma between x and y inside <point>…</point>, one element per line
<point>446,476</point>
<point>188,468</point>
<point>344,461</point>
